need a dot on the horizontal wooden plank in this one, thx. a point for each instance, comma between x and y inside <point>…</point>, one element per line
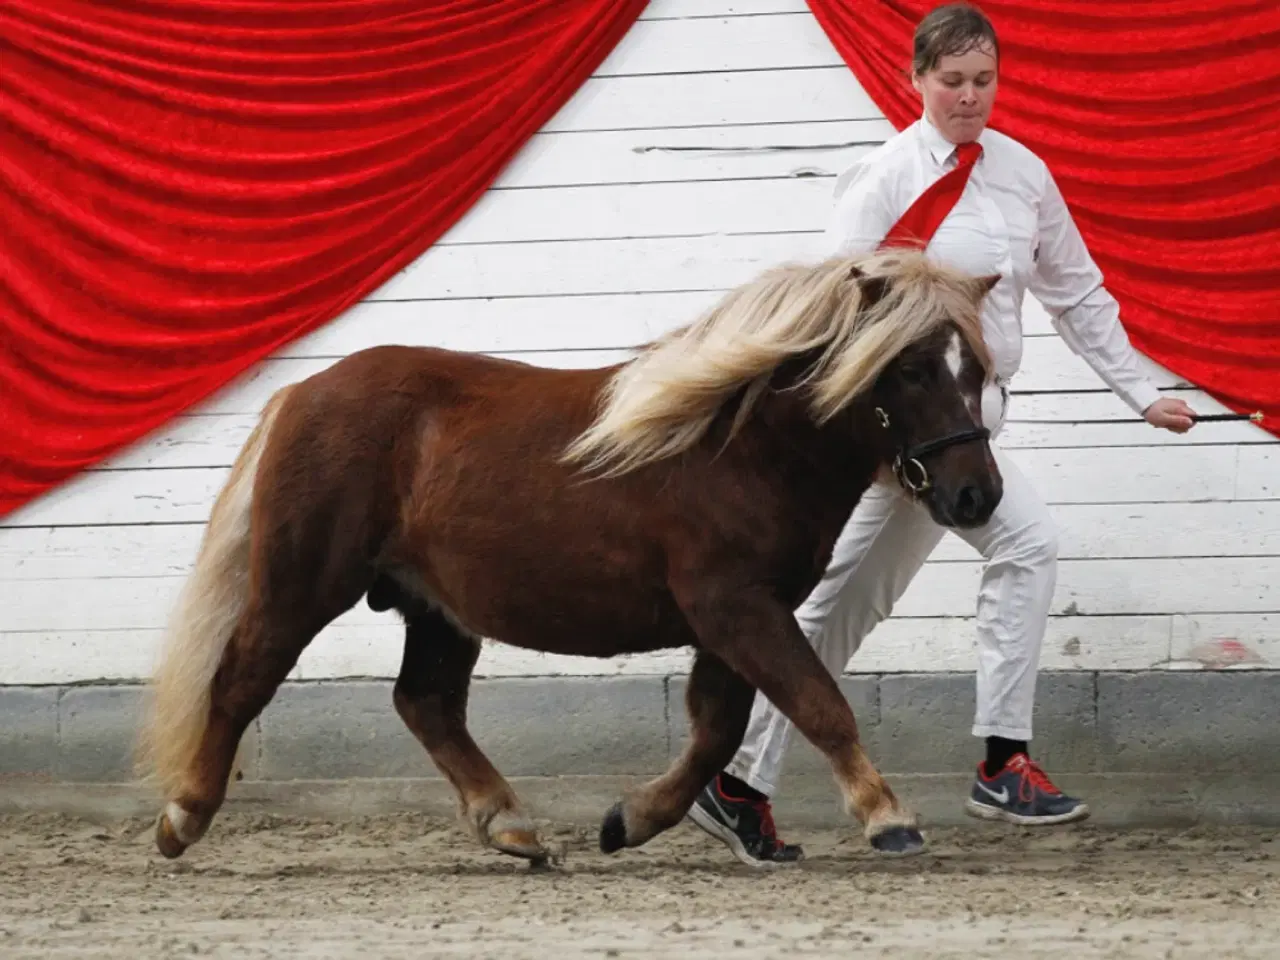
<point>576,267</point>
<point>126,496</point>
<point>250,392</point>
<point>340,650</point>
<point>214,440</point>
<point>493,325</point>
<point>194,441</point>
<point>620,321</point>
<point>1224,641</point>
<point>665,154</point>
<point>566,268</point>
<point>1031,423</point>
<point>1259,472</point>
<point>945,645</point>
<point>1088,531</point>
<point>1088,587</point>
<point>1113,587</point>
<point>709,99</point>
<point>688,9</point>
<point>1062,475</point>
<point>1133,475</point>
<point>706,43</point>
<point>1156,530</point>
<point>542,326</point>
<point>899,645</point>
<point>1047,365</point>
<point>616,211</point>
<point>591,322</point>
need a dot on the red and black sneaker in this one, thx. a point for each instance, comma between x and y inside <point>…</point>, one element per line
<point>1022,793</point>
<point>744,826</point>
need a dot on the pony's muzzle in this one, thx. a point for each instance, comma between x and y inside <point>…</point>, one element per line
<point>971,507</point>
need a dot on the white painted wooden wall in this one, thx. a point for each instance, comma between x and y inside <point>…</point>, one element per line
<point>608,228</point>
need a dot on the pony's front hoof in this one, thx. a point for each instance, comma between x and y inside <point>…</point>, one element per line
<point>613,831</point>
<point>898,841</point>
<point>167,841</point>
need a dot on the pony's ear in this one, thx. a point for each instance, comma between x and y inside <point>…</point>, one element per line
<point>987,284</point>
<point>873,288</point>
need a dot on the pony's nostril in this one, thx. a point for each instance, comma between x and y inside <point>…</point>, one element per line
<point>969,503</point>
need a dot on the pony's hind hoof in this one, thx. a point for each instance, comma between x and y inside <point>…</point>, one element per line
<point>167,841</point>
<point>516,836</point>
<point>899,842</point>
<point>613,831</point>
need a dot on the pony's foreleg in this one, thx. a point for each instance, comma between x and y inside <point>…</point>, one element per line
<point>758,637</point>
<point>431,697</point>
<point>718,702</point>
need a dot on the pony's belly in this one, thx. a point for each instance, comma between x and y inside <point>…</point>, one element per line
<point>604,623</point>
<point>603,617</point>
<point>586,640</point>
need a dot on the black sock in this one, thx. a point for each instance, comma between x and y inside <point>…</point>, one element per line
<point>734,788</point>
<point>999,752</point>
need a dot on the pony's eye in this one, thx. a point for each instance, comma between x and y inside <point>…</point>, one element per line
<point>911,374</point>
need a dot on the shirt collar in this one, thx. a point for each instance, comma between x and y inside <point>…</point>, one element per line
<point>939,147</point>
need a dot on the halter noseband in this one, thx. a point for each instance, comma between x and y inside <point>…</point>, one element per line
<point>908,462</point>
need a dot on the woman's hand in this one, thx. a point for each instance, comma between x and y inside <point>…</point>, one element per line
<point>1171,414</point>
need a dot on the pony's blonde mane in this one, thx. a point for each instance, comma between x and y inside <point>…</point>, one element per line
<point>661,403</point>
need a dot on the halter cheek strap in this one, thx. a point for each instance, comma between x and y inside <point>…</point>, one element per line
<point>911,473</point>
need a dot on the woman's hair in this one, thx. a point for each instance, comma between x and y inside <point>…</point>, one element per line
<point>950,30</point>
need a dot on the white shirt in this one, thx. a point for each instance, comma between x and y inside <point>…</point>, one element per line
<point>1012,220</point>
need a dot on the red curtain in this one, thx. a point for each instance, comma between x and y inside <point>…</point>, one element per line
<point>1159,121</point>
<point>186,186</point>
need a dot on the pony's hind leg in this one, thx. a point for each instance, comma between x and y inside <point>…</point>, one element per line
<point>287,550</point>
<point>718,702</point>
<point>431,697</point>
<point>255,662</point>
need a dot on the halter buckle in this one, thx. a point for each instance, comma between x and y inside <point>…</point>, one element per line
<point>908,468</point>
<point>904,467</point>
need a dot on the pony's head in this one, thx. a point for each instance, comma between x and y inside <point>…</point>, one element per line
<point>927,405</point>
<point>880,332</point>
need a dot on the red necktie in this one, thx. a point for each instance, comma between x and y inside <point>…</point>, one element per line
<point>916,227</point>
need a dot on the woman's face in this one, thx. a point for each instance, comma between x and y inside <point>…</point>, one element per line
<point>959,93</point>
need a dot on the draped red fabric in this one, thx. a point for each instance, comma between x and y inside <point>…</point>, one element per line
<point>186,186</point>
<point>1159,122</point>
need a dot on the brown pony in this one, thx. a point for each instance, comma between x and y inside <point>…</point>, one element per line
<point>689,497</point>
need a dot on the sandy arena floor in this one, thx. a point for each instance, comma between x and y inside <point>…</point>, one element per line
<point>410,886</point>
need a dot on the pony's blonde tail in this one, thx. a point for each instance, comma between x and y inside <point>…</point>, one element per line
<point>202,623</point>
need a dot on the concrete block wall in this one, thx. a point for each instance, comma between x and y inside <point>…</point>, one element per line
<point>1181,745</point>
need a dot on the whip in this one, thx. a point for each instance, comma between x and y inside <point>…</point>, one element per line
<point>1255,417</point>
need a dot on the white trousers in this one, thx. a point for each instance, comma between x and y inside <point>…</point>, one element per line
<point>882,547</point>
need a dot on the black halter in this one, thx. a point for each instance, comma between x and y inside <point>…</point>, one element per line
<point>907,462</point>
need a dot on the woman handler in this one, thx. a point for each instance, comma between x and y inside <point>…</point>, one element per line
<point>1008,218</point>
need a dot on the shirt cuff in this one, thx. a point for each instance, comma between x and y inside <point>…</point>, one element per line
<point>1140,396</point>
